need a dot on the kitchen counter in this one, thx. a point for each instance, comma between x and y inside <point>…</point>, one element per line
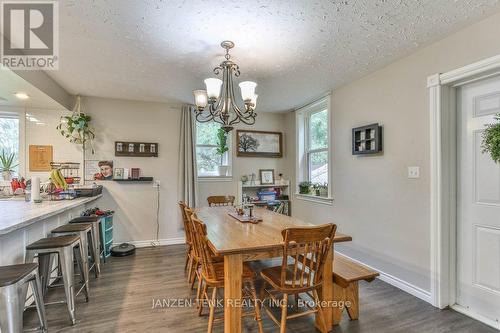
<point>17,214</point>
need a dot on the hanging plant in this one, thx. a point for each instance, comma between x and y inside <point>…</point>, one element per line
<point>491,139</point>
<point>76,127</point>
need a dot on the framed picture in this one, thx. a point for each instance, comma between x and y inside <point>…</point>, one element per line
<point>118,173</point>
<point>266,176</point>
<point>259,143</point>
<point>98,170</point>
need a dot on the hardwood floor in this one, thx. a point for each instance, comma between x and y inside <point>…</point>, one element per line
<point>121,300</point>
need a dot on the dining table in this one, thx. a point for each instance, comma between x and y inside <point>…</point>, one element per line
<point>238,242</point>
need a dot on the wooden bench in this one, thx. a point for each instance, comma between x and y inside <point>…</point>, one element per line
<point>346,275</point>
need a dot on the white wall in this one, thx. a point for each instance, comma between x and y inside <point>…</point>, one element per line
<point>388,214</point>
<point>265,121</point>
<point>136,204</point>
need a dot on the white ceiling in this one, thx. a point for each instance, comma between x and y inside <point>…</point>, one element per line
<point>295,50</point>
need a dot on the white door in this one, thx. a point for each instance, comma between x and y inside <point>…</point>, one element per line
<point>478,227</point>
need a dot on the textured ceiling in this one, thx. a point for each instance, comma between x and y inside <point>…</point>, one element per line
<point>295,50</point>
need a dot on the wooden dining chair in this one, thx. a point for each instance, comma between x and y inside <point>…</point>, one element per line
<point>221,200</point>
<point>304,253</point>
<point>194,255</point>
<point>212,276</point>
<point>187,231</point>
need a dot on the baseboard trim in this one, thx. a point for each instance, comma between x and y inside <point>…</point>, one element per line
<point>476,316</point>
<point>152,242</point>
<point>398,283</point>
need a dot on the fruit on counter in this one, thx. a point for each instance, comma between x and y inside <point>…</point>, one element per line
<point>69,180</point>
<point>57,178</point>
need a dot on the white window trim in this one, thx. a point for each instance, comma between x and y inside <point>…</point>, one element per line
<point>227,157</point>
<point>301,163</point>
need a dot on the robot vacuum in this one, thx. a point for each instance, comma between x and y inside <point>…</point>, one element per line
<point>122,250</point>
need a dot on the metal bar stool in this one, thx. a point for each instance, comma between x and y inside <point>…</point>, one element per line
<point>97,236</point>
<point>64,247</point>
<point>82,230</point>
<point>14,280</point>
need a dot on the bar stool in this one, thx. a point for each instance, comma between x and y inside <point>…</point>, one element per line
<point>82,230</point>
<point>64,247</point>
<point>97,236</point>
<point>14,280</point>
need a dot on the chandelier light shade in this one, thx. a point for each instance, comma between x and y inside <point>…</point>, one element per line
<point>200,98</point>
<point>217,102</point>
<point>213,87</point>
<point>247,90</point>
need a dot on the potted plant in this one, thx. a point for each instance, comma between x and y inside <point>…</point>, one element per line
<point>323,190</point>
<point>76,127</point>
<point>491,139</point>
<point>315,188</point>
<point>222,148</point>
<point>305,187</point>
<point>7,165</point>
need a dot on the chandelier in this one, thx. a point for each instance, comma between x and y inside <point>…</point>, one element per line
<point>217,102</point>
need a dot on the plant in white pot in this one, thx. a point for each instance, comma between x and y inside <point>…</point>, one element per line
<point>7,165</point>
<point>222,148</point>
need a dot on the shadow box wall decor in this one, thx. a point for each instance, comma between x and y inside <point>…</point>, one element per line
<point>136,149</point>
<point>367,140</point>
<point>259,143</point>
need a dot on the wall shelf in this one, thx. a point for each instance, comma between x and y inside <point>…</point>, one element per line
<point>140,179</point>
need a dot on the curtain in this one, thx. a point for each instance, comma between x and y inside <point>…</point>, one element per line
<point>188,182</point>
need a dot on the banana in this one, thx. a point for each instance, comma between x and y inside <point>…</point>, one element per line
<point>55,179</point>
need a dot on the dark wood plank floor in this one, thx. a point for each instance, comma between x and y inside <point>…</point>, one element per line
<point>122,298</point>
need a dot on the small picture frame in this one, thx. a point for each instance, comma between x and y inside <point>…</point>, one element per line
<point>119,146</point>
<point>266,176</point>
<point>118,173</point>
<point>130,147</point>
<point>152,148</point>
<point>142,148</point>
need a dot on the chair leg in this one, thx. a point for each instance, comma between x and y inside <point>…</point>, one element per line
<point>12,304</point>
<point>198,293</point>
<point>212,304</point>
<point>203,297</point>
<point>320,312</point>
<point>258,316</point>
<point>44,269</point>
<point>352,295</point>
<point>83,271</point>
<point>284,309</point>
<point>188,257</point>
<point>36,286</point>
<point>190,268</point>
<point>66,255</point>
<point>339,298</point>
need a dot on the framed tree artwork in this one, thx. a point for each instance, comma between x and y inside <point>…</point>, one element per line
<point>259,143</point>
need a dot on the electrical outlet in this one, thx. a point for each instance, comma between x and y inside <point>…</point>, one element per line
<point>156,183</point>
<point>413,172</point>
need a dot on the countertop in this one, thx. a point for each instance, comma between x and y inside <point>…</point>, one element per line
<point>17,214</point>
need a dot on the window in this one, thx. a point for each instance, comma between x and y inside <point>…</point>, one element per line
<point>313,148</point>
<point>9,136</point>
<point>207,159</point>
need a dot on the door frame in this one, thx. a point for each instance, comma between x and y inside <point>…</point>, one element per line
<point>443,176</point>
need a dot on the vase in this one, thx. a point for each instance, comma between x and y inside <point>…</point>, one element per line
<point>223,170</point>
<point>7,175</point>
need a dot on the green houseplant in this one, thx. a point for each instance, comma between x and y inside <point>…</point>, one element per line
<point>491,140</point>
<point>222,148</point>
<point>76,127</point>
<point>7,165</point>
<point>305,187</point>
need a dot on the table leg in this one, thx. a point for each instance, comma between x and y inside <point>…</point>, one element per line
<point>233,271</point>
<point>326,292</point>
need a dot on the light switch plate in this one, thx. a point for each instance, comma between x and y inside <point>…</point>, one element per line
<point>413,172</point>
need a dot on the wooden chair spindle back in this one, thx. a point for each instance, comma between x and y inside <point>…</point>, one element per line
<point>221,200</point>
<point>204,251</point>
<point>308,248</point>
